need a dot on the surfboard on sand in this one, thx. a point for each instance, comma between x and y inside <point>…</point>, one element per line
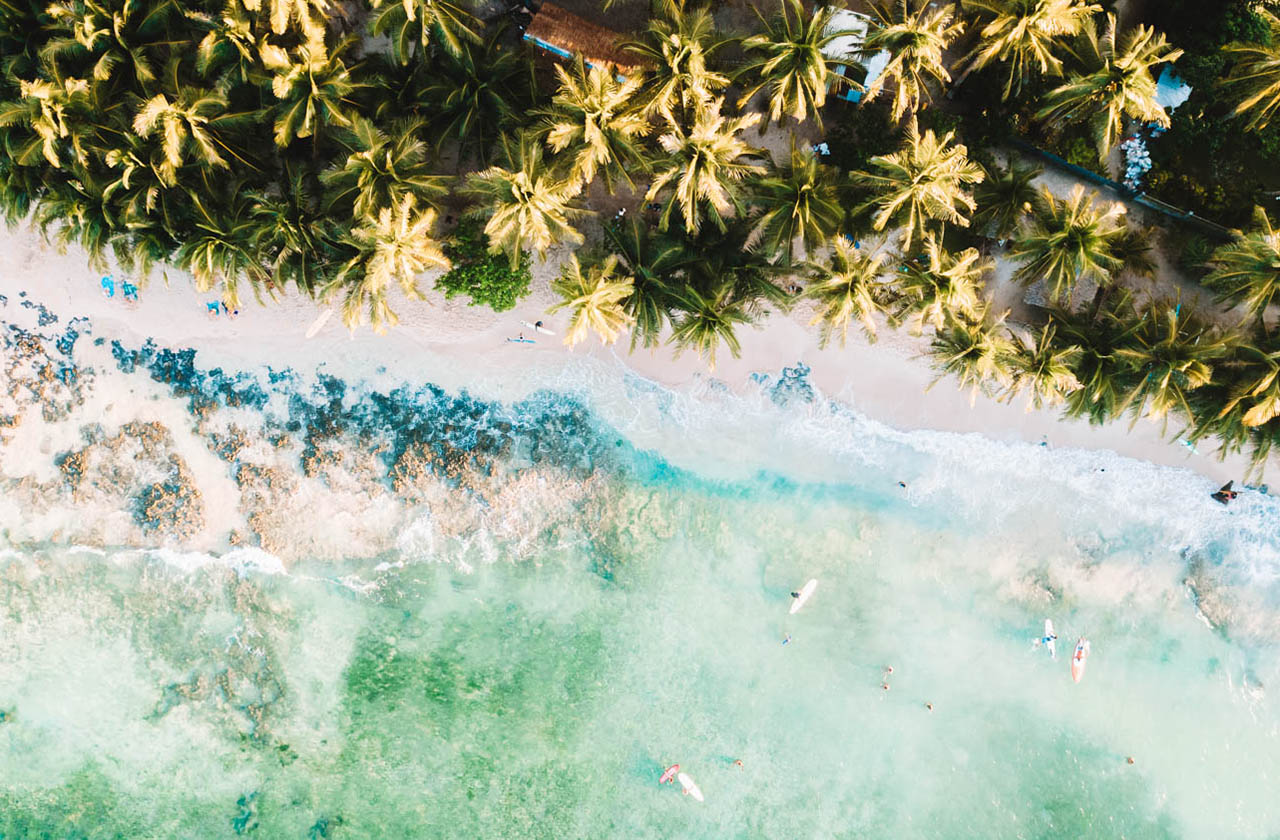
<point>806,592</point>
<point>689,786</point>
<point>533,326</point>
<point>1079,658</point>
<point>318,323</point>
<point>522,340</point>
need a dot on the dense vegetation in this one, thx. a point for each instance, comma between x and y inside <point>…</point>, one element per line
<point>259,146</point>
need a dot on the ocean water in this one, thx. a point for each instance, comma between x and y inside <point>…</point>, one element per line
<point>280,603</point>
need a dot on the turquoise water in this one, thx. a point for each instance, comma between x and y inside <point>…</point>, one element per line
<point>396,610</point>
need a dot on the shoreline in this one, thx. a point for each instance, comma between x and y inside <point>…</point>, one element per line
<point>885,380</point>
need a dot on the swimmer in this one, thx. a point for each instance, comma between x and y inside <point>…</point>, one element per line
<point>902,484</point>
<point>929,706</point>
<point>1129,759</point>
<point>885,686</point>
<point>737,762</point>
<point>786,639</point>
<point>888,669</point>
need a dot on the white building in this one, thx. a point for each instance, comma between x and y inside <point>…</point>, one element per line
<point>851,29</point>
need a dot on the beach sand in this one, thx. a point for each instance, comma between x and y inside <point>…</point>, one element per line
<point>887,380</point>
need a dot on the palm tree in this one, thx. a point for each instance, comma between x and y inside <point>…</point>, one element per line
<point>791,63</point>
<point>313,88</point>
<point>1247,271</point>
<point>392,248</point>
<point>527,205</point>
<point>1044,367</point>
<point>592,118</point>
<point>850,286</point>
<point>704,165</point>
<point>84,29</point>
<point>380,169</point>
<point>1171,354</point>
<point>938,284</point>
<point>1006,196</point>
<point>220,250</point>
<point>721,268</point>
<point>1255,76</point>
<point>1069,240</point>
<point>975,351</point>
<point>229,50</point>
<point>413,24</point>
<point>1023,34</point>
<point>653,263</point>
<point>477,95</point>
<point>294,235</point>
<point>310,16</point>
<point>676,48</point>
<point>709,320</point>
<point>924,181</point>
<point>1114,82</point>
<point>185,126</point>
<point>50,111</point>
<point>1103,375</point>
<point>798,201</point>
<point>1256,394</point>
<point>916,34</point>
<point>595,300</point>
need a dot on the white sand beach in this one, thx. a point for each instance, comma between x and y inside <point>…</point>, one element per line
<point>887,380</point>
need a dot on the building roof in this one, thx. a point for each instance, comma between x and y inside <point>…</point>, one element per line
<point>850,29</point>
<point>1171,91</point>
<point>566,35</point>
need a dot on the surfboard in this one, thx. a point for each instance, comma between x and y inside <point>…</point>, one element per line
<point>690,787</point>
<point>318,323</point>
<point>542,330</point>
<point>1078,659</point>
<point>1048,634</point>
<point>522,341</point>
<point>805,594</point>
<point>669,774</point>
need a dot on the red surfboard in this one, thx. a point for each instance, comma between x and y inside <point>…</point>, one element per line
<point>669,774</point>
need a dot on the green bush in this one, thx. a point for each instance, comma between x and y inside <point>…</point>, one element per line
<point>487,279</point>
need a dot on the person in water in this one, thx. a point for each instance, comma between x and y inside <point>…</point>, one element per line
<point>1052,637</point>
<point>1225,494</point>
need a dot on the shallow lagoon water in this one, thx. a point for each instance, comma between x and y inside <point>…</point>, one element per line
<point>589,581</point>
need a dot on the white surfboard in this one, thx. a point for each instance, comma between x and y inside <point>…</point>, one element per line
<point>542,330</point>
<point>805,594</point>
<point>318,323</point>
<point>1048,634</point>
<point>690,787</point>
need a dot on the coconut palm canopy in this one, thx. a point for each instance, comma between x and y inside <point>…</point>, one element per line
<point>1111,81</point>
<point>1025,36</point>
<point>925,182</point>
<point>1068,240</point>
<point>915,34</point>
<point>789,61</point>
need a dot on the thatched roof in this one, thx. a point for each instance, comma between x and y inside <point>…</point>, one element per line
<point>565,34</point>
